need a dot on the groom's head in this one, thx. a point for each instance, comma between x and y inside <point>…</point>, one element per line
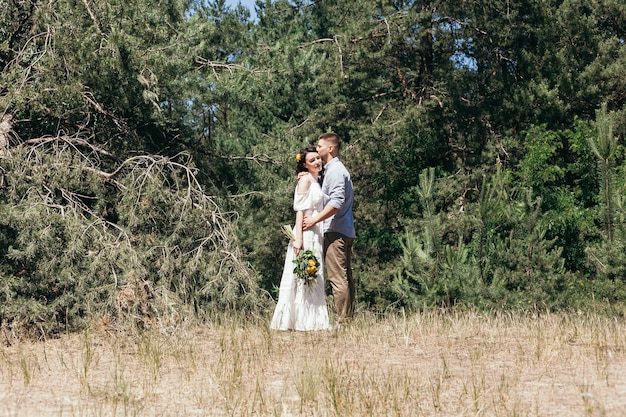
<point>328,146</point>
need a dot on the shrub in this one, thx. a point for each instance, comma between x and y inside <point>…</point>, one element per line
<point>144,242</point>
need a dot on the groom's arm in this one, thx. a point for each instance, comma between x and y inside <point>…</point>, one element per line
<point>309,222</point>
<point>336,199</point>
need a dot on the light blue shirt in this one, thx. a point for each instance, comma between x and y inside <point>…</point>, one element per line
<point>338,193</point>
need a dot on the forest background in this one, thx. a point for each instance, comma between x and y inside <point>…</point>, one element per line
<point>147,153</point>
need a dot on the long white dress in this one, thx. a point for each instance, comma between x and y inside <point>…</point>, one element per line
<point>302,307</point>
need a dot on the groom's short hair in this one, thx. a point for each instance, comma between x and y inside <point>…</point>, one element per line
<point>332,138</point>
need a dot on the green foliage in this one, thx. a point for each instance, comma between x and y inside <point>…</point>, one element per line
<point>104,69</point>
<point>508,264</point>
<point>605,146</point>
<point>431,272</point>
<point>469,129</point>
<point>606,255</point>
<point>538,167</point>
<point>144,242</point>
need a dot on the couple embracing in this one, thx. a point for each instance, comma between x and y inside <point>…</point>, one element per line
<point>325,226</point>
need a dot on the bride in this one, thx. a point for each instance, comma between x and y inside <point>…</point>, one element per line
<point>303,307</point>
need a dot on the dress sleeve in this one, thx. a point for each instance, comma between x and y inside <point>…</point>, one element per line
<point>301,201</point>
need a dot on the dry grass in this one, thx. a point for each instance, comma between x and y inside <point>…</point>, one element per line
<point>455,364</point>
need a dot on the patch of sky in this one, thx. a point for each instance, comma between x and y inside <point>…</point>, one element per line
<point>227,5</point>
<point>463,46</point>
<point>249,4</point>
<point>461,58</point>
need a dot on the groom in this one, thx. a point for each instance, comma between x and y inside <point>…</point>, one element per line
<point>338,227</point>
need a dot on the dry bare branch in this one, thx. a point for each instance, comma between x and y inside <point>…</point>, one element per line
<point>93,17</point>
<point>72,141</point>
<point>258,159</point>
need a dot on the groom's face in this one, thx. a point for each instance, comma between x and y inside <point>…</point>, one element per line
<point>324,149</point>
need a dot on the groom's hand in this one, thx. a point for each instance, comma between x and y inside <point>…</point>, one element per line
<point>307,223</point>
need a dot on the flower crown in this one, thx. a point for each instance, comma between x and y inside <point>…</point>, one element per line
<point>299,157</point>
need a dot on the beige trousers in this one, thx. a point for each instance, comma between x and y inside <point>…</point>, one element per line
<point>337,258</point>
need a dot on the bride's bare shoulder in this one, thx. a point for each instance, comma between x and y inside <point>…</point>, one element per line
<point>304,183</point>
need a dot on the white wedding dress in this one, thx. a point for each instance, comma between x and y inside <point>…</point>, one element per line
<point>301,307</point>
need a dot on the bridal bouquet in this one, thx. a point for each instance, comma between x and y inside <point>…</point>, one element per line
<point>288,231</point>
<point>306,268</point>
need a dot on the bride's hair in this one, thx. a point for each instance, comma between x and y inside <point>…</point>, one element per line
<point>303,153</point>
<point>300,164</point>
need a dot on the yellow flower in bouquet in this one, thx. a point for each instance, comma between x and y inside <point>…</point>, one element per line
<point>306,268</point>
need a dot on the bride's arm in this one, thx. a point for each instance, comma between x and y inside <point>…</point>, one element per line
<point>304,183</point>
<point>297,244</point>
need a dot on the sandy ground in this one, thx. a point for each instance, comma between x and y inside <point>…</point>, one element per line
<point>426,365</point>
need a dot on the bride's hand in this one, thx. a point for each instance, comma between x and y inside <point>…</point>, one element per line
<point>297,245</point>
